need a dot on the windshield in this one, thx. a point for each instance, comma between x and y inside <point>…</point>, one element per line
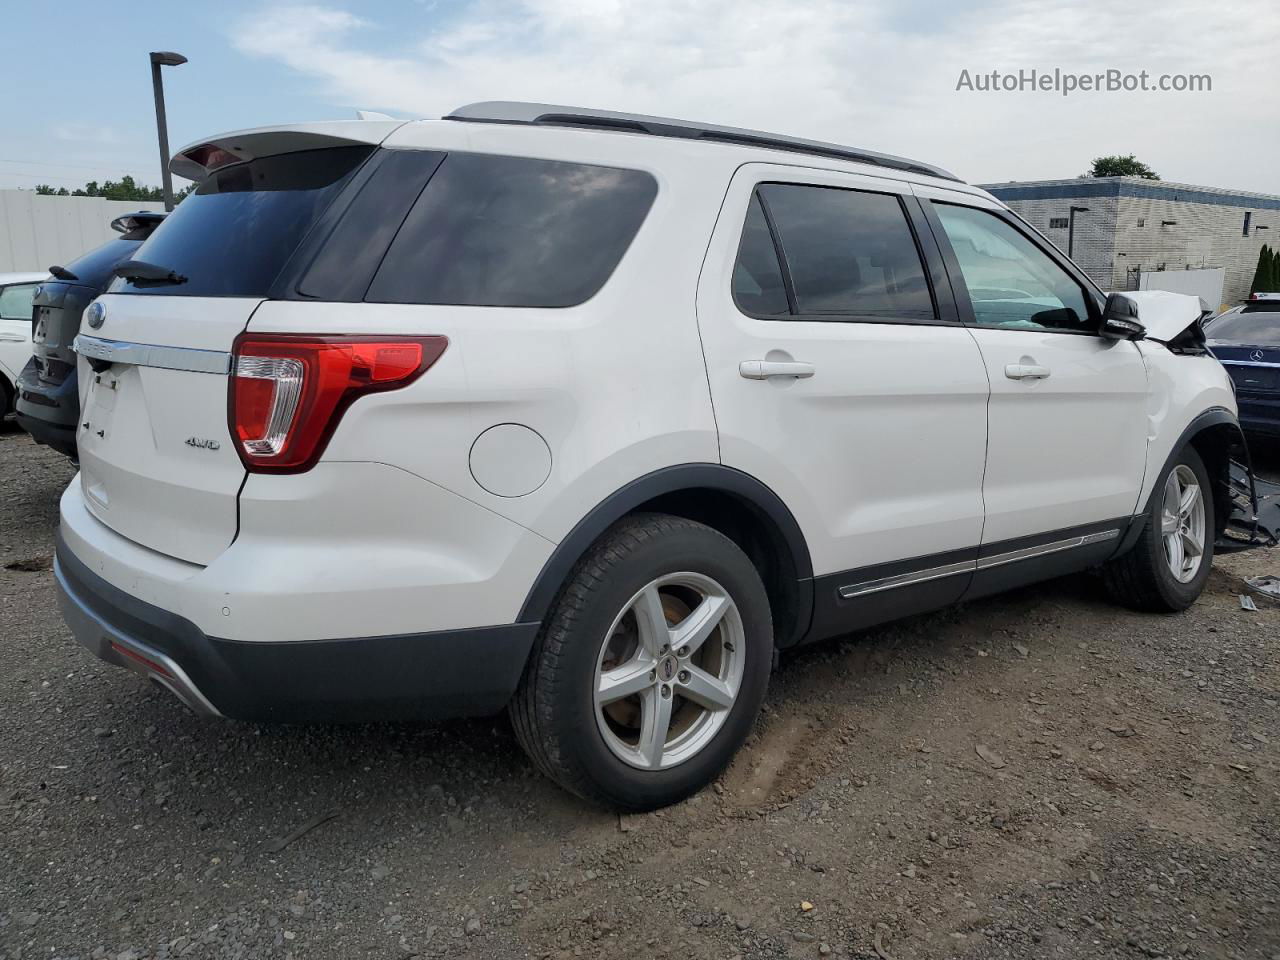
<point>1260,327</point>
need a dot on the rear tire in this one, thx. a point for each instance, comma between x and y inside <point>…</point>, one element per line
<point>632,713</point>
<point>1173,530</point>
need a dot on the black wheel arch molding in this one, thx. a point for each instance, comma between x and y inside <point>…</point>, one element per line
<point>692,490</point>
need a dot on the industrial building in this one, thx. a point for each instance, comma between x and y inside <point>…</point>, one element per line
<point>1128,233</point>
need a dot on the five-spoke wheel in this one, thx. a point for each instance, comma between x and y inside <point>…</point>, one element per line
<point>669,670</point>
<point>1182,523</point>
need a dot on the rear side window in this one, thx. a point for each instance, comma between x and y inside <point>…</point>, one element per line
<point>844,253</point>
<point>231,237</point>
<point>513,232</point>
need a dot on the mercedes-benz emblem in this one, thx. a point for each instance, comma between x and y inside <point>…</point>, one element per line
<point>96,315</point>
<point>1256,356</point>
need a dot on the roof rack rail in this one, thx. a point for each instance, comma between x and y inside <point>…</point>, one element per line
<point>510,111</point>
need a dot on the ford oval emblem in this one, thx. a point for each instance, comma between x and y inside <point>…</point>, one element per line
<point>96,314</point>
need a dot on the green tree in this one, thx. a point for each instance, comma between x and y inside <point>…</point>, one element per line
<point>1263,270</point>
<point>126,188</point>
<point>1118,166</point>
<point>1272,277</point>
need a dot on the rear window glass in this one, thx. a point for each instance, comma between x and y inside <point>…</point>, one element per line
<point>93,269</point>
<point>513,232</point>
<point>1261,328</point>
<point>231,237</point>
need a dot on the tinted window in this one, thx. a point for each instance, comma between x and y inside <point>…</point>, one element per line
<point>15,301</point>
<point>1260,328</point>
<point>848,253</point>
<point>233,234</point>
<point>93,269</point>
<point>513,232</point>
<point>758,288</point>
<point>1012,282</point>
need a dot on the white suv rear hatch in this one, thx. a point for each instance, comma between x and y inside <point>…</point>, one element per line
<point>158,462</point>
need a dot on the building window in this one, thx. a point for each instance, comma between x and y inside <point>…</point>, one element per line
<point>1142,222</point>
<point>1057,223</point>
<point>1247,217</point>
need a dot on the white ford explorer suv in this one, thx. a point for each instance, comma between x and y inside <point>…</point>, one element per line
<point>588,415</point>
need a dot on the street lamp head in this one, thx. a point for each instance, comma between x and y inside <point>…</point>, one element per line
<point>167,58</point>
<point>1079,209</point>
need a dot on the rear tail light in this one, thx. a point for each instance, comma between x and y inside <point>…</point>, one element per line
<point>289,392</point>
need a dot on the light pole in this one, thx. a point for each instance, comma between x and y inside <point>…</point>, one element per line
<point>160,59</point>
<point>1071,229</point>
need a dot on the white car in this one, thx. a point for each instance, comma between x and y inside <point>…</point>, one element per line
<point>588,415</point>
<point>17,290</point>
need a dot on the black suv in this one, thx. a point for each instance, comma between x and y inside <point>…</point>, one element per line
<point>48,403</point>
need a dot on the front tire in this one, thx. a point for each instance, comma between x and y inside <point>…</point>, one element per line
<point>651,668</point>
<point>1166,570</point>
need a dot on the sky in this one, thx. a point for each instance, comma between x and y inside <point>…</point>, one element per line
<point>877,74</point>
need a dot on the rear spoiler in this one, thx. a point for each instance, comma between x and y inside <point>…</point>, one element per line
<point>197,160</point>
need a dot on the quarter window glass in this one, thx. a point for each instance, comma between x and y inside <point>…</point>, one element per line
<point>849,253</point>
<point>513,232</point>
<point>757,278</point>
<point>1012,283</point>
<point>15,301</point>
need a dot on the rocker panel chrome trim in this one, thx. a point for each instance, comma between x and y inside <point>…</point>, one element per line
<point>969,566</point>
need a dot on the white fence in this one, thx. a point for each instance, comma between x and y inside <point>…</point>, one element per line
<point>37,232</point>
<point>1205,284</point>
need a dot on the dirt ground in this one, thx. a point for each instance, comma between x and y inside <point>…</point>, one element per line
<point>1039,775</point>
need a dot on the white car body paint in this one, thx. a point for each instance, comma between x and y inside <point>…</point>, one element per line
<point>15,332</point>
<point>907,441</point>
<point>1165,314</point>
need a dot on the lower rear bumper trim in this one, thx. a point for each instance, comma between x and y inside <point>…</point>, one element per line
<point>451,673</point>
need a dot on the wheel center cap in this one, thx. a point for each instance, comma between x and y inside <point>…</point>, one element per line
<point>667,669</point>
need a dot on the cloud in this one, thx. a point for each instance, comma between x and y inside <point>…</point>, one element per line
<point>85,133</point>
<point>877,73</point>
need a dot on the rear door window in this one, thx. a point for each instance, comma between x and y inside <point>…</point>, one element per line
<point>845,254</point>
<point>232,236</point>
<point>513,232</point>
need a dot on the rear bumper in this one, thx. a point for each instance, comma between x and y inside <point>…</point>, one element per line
<point>451,673</point>
<point>50,413</point>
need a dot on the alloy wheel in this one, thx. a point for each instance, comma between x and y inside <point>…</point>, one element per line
<point>669,671</point>
<point>1182,523</point>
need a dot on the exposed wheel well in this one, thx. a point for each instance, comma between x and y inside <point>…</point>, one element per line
<point>758,536</point>
<point>8,396</point>
<point>1216,445</point>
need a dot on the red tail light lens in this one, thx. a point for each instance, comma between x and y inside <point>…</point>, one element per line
<point>289,392</point>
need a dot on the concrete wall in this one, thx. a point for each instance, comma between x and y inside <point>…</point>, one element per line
<point>1124,234</point>
<point>37,232</point>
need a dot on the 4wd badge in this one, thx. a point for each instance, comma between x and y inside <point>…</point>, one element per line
<point>201,443</point>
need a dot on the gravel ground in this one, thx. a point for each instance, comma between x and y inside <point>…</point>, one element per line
<point>1036,775</point>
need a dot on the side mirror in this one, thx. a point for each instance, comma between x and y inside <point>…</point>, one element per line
<point>1120,319</point>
